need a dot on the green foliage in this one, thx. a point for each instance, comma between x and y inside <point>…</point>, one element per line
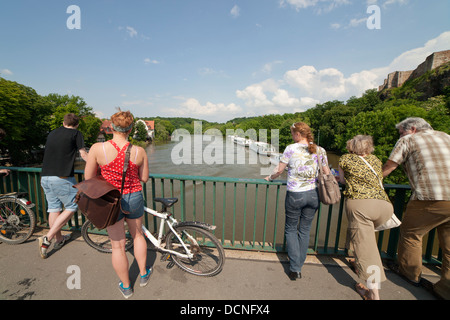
<point>140,133</point>
<point>27,118</point>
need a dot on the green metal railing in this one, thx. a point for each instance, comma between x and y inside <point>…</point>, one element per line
<point>248,213</point>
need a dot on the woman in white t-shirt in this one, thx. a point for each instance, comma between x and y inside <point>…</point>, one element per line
<point>302,159</point>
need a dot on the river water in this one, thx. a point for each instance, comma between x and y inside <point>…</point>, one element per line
<point>244,208</point>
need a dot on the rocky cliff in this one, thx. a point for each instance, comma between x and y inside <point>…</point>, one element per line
<point>429,79</point>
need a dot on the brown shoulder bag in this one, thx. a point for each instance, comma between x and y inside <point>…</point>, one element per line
<point>99,200</point>
<point>328,187</point>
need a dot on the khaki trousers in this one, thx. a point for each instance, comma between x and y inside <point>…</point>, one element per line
<point>420,218</point>
<point>363,216</point>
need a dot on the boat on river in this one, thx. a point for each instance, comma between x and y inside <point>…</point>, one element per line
<point>263,148</point>
<point>242,141</point>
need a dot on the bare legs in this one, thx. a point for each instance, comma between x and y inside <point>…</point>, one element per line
<point>120,263</point>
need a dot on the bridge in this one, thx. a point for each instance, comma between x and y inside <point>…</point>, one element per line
<point>249,215</point>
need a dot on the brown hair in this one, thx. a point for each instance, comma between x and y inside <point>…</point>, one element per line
<point>360,145</point>
<point>71,120</point>
<point>122,119</point>
<point>305,131</point>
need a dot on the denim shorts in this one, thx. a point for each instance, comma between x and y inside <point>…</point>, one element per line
<point>134,204</point>
<point>59,193</point>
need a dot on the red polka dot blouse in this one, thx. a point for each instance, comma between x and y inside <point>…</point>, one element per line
<point>112,172</point>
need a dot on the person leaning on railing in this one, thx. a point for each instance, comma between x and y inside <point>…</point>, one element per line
<point>57,179</point>
<point>303,159</point>
<point>425,156</point>
<point>367,206</point>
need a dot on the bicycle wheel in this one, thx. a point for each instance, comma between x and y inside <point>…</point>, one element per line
<point>209,256</point>
<point>99,239</point>
<point>17,221</point>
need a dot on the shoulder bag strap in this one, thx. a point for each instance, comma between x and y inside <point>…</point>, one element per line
<point>371,168</point>
<point>125,166</point>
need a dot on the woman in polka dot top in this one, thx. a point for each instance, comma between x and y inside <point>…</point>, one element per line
<point>109,157</point>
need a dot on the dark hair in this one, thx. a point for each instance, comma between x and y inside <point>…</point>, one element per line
<point>71,120</point>
<point>2,133</point>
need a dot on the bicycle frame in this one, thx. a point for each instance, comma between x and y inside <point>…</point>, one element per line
<point>165,219</point>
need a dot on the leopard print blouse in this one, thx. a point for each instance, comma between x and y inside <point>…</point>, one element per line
<point>361,182</point>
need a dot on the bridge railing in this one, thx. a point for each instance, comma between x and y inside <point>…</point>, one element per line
<point>248,213</point>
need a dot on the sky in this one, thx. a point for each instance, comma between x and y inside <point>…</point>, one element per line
<point>215,59</point>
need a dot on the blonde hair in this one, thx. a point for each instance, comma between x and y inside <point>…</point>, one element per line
<point>360,145</point>
<point>122,121</point>
<point>305,131</point>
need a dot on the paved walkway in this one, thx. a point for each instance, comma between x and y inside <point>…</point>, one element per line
<point>246,276</point>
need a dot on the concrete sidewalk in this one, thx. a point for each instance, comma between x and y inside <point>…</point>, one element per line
<point>246,276</point>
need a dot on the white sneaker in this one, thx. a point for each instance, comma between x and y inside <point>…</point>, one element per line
<point>43,246</point>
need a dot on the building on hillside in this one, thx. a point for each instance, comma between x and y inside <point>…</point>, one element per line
<point>150,125</point>
<point>397,78</point>
<point>105,130</point>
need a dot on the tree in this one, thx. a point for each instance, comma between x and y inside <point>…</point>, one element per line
<point>24,115</point>
<point>141,131</point>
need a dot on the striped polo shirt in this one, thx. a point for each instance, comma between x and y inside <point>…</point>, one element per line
<point>425,156</point>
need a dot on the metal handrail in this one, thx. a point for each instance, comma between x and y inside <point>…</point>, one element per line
<point>247,212</point>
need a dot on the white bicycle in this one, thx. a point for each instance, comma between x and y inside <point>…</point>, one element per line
<point>189,244</point>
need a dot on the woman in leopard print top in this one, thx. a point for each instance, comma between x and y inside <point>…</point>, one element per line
<point>367,206</point>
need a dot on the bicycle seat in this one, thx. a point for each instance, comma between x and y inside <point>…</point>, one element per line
<point>167,202</point>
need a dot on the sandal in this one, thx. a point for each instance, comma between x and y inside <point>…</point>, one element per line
<point>363,291</point>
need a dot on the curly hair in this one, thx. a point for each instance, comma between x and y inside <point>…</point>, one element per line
<point>360,145</point>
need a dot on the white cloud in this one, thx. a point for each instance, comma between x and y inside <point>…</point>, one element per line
<point>267,68</point>
<point>6,72</point>
<point>150,61</point>
<point>235,11</point>
<point>130,30</point>
<point>193,108</point>
<point>391,2</point>
<point>306,86</point>
<point>409,60</point>
<point>321,5</point>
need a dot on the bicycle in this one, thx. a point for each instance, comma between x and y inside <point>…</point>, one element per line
<point>189,244</point>
<point>17,219</point>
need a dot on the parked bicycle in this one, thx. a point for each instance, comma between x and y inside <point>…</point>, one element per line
<point>190,245</point>
<point>17,219</point>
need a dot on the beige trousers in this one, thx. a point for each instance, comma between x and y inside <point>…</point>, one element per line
<point>363,216</point>
<point>421,217</point>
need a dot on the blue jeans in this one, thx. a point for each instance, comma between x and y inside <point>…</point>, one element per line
<point>134,204</point>
<point>300,209</point>
<point>59,193</point>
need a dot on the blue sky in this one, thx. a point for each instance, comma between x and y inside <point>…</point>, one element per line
<point>215,59</point>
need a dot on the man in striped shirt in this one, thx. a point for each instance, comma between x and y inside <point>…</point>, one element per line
<point>425,156</point>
